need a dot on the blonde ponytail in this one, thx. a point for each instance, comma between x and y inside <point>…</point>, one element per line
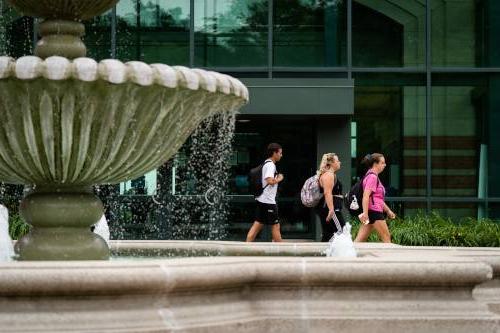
<point>327,160</point>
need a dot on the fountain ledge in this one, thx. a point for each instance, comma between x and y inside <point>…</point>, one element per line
<point>114,71</point>
<point>247,294</point>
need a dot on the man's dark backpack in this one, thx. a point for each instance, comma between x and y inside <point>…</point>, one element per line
<point>354,199</point>
<point>255,180</point>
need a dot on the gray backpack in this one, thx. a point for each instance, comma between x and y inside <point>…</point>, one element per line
<point>311,192</point>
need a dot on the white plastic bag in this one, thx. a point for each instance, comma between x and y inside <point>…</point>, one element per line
<point>6,247</point>
<point>102,228</point>
<point>341,244</point>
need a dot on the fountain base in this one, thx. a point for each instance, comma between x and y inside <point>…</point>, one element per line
<point>61,221</point>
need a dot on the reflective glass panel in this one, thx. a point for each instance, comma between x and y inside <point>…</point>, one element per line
<point>252,135</point>
<point>231,33</point>
<point>97,37</point>
<point>465,33</point>
<point>458,211</point>
<point>388,33</point>
<point>309,33</point>
<point>494,211</point>
<point>153,31</point>
<point>463,135</point>
<point>389,112</point>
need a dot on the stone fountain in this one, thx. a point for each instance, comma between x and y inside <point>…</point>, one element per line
<point>68,122</point>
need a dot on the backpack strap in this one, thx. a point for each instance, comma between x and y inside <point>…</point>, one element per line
<point>266,161</point>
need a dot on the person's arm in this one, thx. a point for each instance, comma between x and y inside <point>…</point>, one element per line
<point>389,212</point>
<point>327,181</point>
<point>274,181</point>
<point>369,187</point>
<point>365,202</point>
<point>269,172</point>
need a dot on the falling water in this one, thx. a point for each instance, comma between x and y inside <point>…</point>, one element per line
<point>16,32</point>
<point>197,206</point>
<point>190,201</point>
<point>6,248</point>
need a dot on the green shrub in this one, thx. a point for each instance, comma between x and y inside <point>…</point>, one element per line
<point>435,230</point>
<point>17,226</point>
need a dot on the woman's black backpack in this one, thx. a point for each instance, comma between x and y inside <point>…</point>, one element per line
<point>354,199</point>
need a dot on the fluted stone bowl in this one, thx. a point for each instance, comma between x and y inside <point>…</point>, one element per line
<point>78,123</point>
<point>66,125</point>
<point>63,9</point>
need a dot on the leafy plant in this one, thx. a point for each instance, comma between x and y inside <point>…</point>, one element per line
<point>435,230</point>
<point>17,226</point>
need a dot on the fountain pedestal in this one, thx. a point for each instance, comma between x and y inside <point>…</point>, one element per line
<point>62,38</point>
<point>61,218</point>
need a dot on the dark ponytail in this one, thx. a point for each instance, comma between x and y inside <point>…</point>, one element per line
<point>370,159</point>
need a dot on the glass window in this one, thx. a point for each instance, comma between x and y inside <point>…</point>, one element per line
<point>389,112</point>
<point>231,33</point>
<point>491,136</point>
<point>494,211</point>
<point>461,146</point>
<point>309,33</point>
<point>458,211</point>
<point>98,37</point>
<point>465,33</point>
<point>252,135</point>
<point>145,185</point>
<point>388,33</point>
<point>153,31</point>
<point>405,209</point>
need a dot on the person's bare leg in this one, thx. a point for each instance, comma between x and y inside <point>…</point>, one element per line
<point>364,232</point>
<point>382,231</point>
<point>275,232</point>
<point>254,231</point>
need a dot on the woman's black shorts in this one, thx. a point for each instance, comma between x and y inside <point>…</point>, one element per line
<point>266,213</point>
<point>375,216</point>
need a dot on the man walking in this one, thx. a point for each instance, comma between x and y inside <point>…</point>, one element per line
<point>267,211</point>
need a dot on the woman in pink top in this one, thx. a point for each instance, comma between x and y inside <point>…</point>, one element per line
<point>374,207</point>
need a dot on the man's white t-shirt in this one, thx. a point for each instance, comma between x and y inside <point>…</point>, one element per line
<point>268,196</point>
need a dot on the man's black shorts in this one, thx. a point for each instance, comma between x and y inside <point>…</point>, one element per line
<point>266,213</point>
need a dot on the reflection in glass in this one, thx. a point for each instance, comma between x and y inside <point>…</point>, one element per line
<point>408,209</point>
<point>388,33</point>
<point>457,211</point>
<point>230,33</point>
<point>494,211</point>
<point>252,135</point>
<point>457,115</point>
<point>153,31</point>
<point>309,33</point>
<point>465,33</point>
<point>390,119</point>
<point>97,37</point>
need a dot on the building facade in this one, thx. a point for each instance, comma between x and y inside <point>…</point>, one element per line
<point>417,80</point>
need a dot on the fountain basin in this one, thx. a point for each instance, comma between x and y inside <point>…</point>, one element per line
<point>249,294</point>
<point>66,125</point>
<point>79,123</point>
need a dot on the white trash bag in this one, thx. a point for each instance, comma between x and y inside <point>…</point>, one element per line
<point>6,247</point>
<point>341,244</point>
<point>102,228</point>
